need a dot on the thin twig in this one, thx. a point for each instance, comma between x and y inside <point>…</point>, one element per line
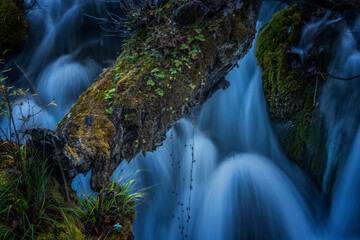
<point>335,77</point>
<point>30,82</point>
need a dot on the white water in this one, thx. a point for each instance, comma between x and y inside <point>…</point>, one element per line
<point>243,187</point>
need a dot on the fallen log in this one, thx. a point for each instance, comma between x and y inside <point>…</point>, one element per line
<point>176,59</point>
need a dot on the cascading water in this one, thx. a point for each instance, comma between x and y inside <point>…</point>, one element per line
<point>343,115</point>
<point>220,174</point>
<point>257,194</point>
<point>345,212</point>
<point>340,98</point>
<point>64,52</point>
<point>231,197</point>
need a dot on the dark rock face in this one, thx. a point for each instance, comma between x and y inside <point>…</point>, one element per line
<point>134,103</point>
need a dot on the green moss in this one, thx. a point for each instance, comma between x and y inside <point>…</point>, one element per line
<point>58,231</point>
<point>290,95</point>
<point>70,151</point>
<point>283,85</point>
<point>160,69</point>
<point>13,26</point>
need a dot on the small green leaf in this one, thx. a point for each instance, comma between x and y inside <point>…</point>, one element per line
<point>110,110</point>
<point>184,46</point>
<point>160,92</point>
<point>150,82</point>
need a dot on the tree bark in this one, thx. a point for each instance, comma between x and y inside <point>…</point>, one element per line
<point>172,64</point>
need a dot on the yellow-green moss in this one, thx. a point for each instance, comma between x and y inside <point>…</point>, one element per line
<point>13,26</point>
<point>141,81</point>
<point>283,86</point>
<point>290,95</point>
<point>70,151</point>
<point>68,231</point>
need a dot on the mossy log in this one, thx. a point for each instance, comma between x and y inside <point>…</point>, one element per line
<point>174,62</point>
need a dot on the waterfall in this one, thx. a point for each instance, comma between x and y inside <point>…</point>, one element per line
<point>345,211</point>
<point>220,173</point>
<point>64,53</point>
<point>340,98</point>
<point>246,199</point>
<point>245,181</point>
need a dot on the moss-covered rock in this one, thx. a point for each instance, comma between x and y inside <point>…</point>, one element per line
<point>282,81</point>
<point>291,93</point>
<point>13,26</point>
<point>66,231</point>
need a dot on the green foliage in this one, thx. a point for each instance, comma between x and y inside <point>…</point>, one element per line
<point>184,46</point>
<point>117,200</point>
<point>160,75</point>
<point>109,93</point>
<point>25,199</point>
<point>150,82</point>
<point>200,37</point>
<point>174,71</point>
<point>114,200</point>
<point>109,110</point>
<point>152,35</point>
<point>28,191</point>
<point>160,92</point>
<point>118,76</point>
<point>132,59</point>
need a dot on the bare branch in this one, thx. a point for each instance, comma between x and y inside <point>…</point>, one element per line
<point>335,77</point>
